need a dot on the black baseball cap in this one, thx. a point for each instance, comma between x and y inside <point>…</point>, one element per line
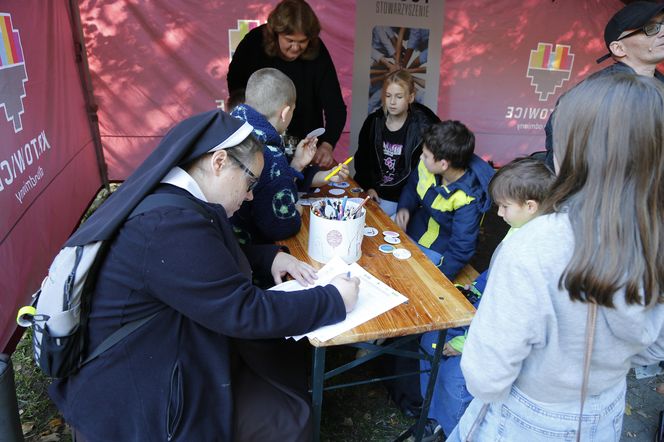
<point>632,16</point>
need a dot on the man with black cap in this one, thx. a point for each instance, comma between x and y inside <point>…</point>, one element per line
<point>635,39</point>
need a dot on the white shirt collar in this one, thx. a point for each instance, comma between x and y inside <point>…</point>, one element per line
<point>179,178</point>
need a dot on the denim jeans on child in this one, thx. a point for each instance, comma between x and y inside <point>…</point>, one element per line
<point>433,256</point>
<point>520,418</point>
<point>389,207</point>
<point>450,396</point>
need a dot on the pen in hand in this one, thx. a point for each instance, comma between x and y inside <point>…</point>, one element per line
<point>337,169</point>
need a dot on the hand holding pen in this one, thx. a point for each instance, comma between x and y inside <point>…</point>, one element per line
<point>349,287</point>
<point>341,169</point>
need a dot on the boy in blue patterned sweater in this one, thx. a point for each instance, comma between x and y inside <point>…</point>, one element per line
<point>273,213</point>
<point>517,188</point>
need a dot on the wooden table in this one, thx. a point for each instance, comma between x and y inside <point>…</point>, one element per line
<point>433,302</point>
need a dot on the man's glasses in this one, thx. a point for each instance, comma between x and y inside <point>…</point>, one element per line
<point>254,179</point>
<point>650,29</point>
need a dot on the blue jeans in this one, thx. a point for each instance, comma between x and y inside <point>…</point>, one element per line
<point>520,418</point>
<point>389,207</point>
<point>450,396</point>
<point>434,256</point>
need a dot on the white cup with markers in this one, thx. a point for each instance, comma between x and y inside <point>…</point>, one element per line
<point>336,228</point>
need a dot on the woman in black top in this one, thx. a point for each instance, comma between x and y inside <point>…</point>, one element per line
<point>290,42</point>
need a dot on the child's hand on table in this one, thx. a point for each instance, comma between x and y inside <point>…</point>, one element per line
<point>402,217</point>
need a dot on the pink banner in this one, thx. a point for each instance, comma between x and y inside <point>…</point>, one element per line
<point>504,65</point>
<point>156,63</point>
<point>48,170</point>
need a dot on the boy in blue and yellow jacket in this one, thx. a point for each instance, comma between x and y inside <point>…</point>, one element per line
<point>446,197</point>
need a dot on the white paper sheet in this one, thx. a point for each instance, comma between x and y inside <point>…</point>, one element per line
<point>375,297</point>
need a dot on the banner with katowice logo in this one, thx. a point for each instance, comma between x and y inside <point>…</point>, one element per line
<point>505,64</point>
<point>48,169</point>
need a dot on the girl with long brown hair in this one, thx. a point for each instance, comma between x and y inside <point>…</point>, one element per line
<point>598,248</point>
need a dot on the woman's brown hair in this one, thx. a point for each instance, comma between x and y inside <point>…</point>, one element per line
<point>607,139</point>
<point>292,17</point>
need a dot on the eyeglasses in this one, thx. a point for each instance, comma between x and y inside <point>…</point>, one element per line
<point>254,179</point>
<point>650,29</point>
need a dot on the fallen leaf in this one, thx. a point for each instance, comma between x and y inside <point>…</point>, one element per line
<point>630,434</point>
<point>27,427</point>
<point>53,437</point>
<point>55,422</point>
<point>628,409</point>
<point>660,389</point>
<point>348,422</point>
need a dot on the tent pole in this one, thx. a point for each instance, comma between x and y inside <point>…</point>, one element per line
<point>86,83</point>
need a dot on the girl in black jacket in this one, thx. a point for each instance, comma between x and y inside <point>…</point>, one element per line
<point>390,141</point>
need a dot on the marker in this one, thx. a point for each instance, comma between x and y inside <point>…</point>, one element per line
<point>337,169</point>
<point>349,274</point>
<point>359,207</point>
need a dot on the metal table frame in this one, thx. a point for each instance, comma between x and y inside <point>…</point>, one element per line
<point>319,375</point>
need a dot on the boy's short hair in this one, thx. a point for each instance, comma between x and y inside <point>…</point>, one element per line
<point>269,90</point>
<point>451,141</point>
<point>521,180</point>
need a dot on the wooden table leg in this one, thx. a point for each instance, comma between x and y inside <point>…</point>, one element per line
<point>432,383</point>
<point>318,377</point>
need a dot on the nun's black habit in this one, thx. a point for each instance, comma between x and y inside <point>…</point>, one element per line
<point>173,379</point>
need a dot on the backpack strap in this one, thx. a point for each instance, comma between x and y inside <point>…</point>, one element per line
<point>117,336</point>
<point>155,200</point>
<point>150,202</point>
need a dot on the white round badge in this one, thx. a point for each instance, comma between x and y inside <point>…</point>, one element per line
<point>391,239</point>
<point>370,231</point>
<point>401,253</point>
<point>316,132</point>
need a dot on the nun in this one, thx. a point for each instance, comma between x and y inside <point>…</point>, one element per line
<point>179,376</point>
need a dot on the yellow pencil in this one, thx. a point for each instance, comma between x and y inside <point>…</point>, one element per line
<point>337,169</point>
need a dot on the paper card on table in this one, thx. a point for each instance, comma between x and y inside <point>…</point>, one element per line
<point>375,297</point>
